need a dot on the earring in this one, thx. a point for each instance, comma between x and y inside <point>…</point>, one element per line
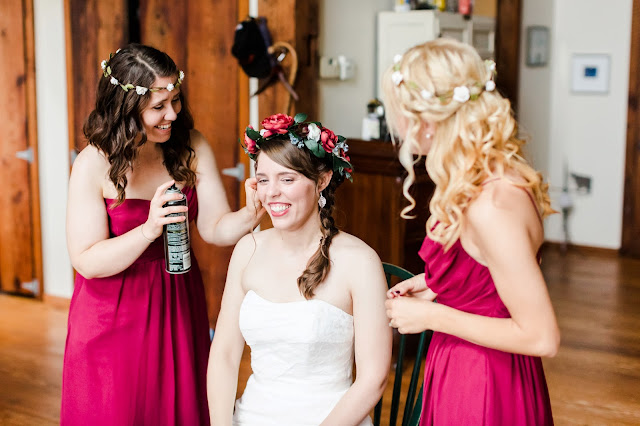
<point>429,135</point>
<point>322,201</point>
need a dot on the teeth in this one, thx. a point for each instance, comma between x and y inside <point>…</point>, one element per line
<point>164,127</point>
<point>279,207</point>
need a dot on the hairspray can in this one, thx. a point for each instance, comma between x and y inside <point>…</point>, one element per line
<point>177,246</point>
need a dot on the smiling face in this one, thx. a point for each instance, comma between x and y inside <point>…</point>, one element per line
<point>290,197</point>
<point>163,108</point>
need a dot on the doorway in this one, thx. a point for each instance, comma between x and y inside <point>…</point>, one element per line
<point>631,209</point>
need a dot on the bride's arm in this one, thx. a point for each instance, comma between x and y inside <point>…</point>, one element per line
<point>228,343</point>
<point>372,340</point>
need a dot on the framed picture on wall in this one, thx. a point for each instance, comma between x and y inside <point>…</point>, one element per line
<point>537,46</point>
<point>590,73</point>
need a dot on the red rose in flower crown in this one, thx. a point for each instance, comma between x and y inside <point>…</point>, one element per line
<point>277,123</point>
<point>329,139</point>
<point>346,158</point>
<point>250,143</point>
<point>309,135</point>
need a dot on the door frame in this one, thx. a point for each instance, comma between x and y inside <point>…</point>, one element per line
<point>507,48</point>
<point>630,244</point>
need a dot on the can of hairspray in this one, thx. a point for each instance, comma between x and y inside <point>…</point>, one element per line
<point>177,245</point>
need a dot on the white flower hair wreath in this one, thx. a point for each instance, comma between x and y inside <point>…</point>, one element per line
<point>140,90</point>
<point>459,94</point>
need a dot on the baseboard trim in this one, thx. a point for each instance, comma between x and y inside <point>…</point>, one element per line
<point>57,302</point>
<point>580,249</point>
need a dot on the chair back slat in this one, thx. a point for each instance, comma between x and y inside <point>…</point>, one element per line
<point>413,404</point>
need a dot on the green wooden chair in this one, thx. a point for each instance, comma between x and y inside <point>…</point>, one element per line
<point>413,403</point>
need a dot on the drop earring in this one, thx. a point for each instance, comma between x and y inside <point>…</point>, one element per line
<point>322,201</point>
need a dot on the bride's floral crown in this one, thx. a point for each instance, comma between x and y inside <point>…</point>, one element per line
<point>106,70</point>
<point>321,141</point>
<point>459,94</point>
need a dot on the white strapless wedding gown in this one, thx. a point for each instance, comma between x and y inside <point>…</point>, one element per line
<point>302,359</point>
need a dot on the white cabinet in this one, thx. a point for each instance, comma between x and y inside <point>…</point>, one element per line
<point>398,31</point>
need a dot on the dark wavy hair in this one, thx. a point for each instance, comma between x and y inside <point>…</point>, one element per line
<point>283,152</point>
<point>115,125</point>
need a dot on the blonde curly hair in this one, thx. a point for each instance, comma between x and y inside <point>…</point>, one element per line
<point>475,140</point>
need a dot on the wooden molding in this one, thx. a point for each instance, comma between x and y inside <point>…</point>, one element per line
<point>580,249</point>
<point>57,302</point>
<point>32,142</point>
<point>631,206</point>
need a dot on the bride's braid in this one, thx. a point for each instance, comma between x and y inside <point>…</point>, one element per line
<point>320,263</point>
<point>283,152</point>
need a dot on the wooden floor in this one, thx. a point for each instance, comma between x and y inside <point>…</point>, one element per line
<point>594,379</point>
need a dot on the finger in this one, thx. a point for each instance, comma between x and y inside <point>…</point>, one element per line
<point>165,198</point>
<point>402,288</point>
<point>391,293</point>
<point>174,209</point>
<point>170,219</point>
<point>163,188</point>
<point>251,183</point>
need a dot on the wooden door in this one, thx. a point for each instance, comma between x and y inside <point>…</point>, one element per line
<point>198,35</point>
<point>508,23</point>
<point>20,247</point>
<point>631,212</point>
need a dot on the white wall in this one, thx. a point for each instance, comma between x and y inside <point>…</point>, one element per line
<point>53,144</point>
<point>348,28</point>
<point>535,88</point>
<point>586,131</point>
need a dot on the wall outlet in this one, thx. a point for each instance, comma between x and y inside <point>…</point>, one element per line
<point>583,183</point>
<point>329,67</point>
<point>347,68</point>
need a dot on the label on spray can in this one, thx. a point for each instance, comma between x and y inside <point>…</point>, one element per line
<point>177,246</point>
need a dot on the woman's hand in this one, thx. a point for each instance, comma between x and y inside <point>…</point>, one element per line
<point>254,205</point>
<point>413,287</point>
<point>153,227</point>
<point>411,315</point>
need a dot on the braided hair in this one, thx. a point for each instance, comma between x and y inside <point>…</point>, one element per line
<point>283,152</point>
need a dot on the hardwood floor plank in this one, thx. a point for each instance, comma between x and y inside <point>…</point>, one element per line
<point>594,379</point>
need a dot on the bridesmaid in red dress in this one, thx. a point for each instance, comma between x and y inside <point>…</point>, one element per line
<point>494,318</point>
<point>138,337</point>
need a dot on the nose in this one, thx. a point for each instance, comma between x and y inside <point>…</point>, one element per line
<point>171,114</point>
<point>273,189</point>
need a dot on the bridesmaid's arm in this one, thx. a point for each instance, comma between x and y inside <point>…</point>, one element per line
<point>372,340</point>
<point>506,231</point>
<point>228,343</point>
<point>93,254</point>
<point>216,223</point>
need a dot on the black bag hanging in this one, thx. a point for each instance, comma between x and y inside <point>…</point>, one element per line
<point>251,44</point>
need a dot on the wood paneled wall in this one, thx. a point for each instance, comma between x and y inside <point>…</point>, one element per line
<point>294,22</point>
<point>95,28</point>
<point>198,35</point>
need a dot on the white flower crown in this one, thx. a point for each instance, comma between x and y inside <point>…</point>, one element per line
<point>140,90</point>
<point>459,94</point>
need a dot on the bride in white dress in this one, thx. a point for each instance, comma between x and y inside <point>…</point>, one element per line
<point>308,299</point>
